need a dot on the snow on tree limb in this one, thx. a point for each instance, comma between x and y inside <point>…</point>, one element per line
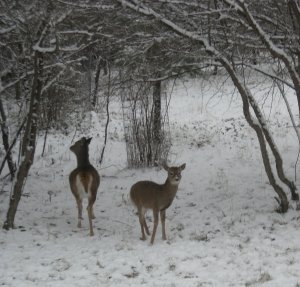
<point>270,75</point>
<point>276,52</point>
<point>259,123</point>
<point>30,73</point>
<point>149,12</point>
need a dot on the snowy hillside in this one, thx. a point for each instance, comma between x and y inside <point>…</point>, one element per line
<point>222,227</point>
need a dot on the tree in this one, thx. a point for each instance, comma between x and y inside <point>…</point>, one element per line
<point>263,134</point>
<point>41,43</point>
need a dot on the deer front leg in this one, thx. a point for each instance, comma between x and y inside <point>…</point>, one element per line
<point>155,219</point>
<point>141,214</point>
<point>146,227</point>
<point>143,210</point>
<point>163,221</point>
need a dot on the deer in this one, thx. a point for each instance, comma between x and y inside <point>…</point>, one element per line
<point>147,195</point>
<point>84,180</point>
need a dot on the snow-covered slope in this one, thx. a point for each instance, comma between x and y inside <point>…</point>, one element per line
<point>222,228</point>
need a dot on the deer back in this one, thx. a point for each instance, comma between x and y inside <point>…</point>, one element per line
<point>84,180</point>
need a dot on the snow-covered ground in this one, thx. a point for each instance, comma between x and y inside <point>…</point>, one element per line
<point>222,228</point>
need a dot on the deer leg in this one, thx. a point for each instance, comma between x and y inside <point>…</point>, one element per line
<point>146,227</point>
<point>155,217</point>
<point>90,214</point>
<point>79,207</point>
<point>142,222</point>
<point>93,215</point>
<point>163,221</point>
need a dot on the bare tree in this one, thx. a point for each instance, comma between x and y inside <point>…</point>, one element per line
<point>47,43</point>
<point>29,140</point>
<point>144,148</point>
<point>263,134</point>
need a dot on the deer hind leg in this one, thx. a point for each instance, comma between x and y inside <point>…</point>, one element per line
<point>93,215</point>
<point>163,221</point>
<point>155,218</point>
<point>90,215</point>
<point>79,207</point>
<point>90,211</point>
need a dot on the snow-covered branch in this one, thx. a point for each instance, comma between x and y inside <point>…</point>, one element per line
<point>192,35</point>
<point>46,67</point>
<point>274,50</point>
<point>7,30</point>
<point>52,81</point>
<point>270,75</point>
<point>86,5</point>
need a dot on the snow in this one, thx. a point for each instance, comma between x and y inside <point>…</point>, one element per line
<point>222,227</point>
<point>43,49</point>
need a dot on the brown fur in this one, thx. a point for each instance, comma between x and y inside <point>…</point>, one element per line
<point>84,180</point>
<point>158,197</point>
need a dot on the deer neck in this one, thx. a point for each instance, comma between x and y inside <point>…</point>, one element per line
<point>83,159</point>
<point>171,188</point>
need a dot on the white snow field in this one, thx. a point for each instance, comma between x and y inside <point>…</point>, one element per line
<point>222,228</point>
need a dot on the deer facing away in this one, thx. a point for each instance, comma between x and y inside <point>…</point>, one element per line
<point>84,180</point>
<point>158,197</point>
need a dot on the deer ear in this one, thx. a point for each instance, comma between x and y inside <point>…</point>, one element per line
<point>89,140</point>
<point>182,167</point>
<point>165,166</point>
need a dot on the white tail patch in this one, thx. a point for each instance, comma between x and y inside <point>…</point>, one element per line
<point>81,188</point>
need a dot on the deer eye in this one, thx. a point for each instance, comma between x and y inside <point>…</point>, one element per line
<point>171,173</point>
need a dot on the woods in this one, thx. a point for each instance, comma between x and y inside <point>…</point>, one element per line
<point>60,58</point>
<point>193,111</point>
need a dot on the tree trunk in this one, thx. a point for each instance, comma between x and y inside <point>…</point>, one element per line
<point>157,137</point>
<point>5,139</point>
<point>96,84</point>
<point>274,149</point>
<point>29,140</point>
<point>245,94</point>
<point>107,116</point>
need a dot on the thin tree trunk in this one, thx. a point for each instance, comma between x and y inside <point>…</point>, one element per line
<point>29,140</point>
<point>12,145</point>
<point>5,139</point>
<point>45,140</point>
<point>245,94</point>
<point>107,116</point>
<point>157,136</point>
<point>96,84</point>
<point>274,149</point>
<point>280,54</point>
